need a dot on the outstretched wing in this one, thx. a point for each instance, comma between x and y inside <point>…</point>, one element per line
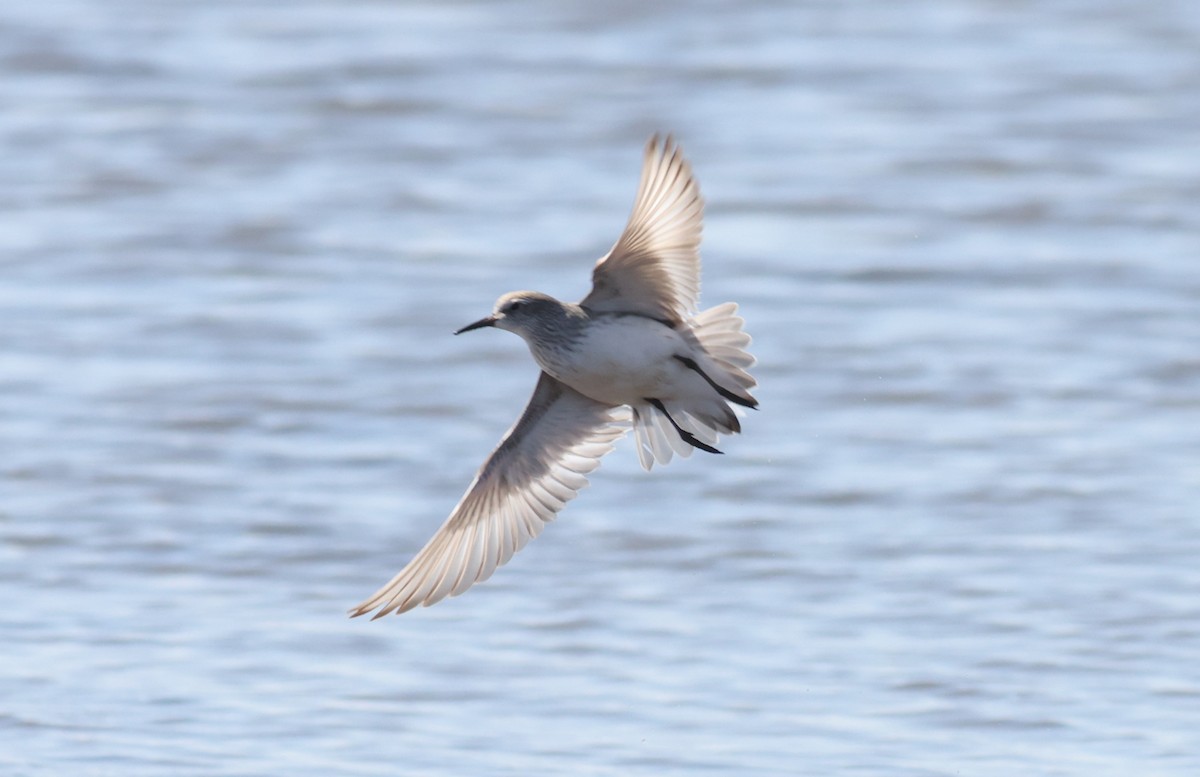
<point>654,269</point>
<point>539,466</point>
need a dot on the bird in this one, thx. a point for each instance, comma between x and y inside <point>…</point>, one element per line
<point>634,353</point>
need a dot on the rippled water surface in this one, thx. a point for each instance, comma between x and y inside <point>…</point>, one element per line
<point>961,538</point>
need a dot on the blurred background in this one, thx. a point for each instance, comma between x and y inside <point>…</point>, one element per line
<point>961,536</point>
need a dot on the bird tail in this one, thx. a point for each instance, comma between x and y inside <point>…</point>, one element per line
<point>658,439</point>
<point>719,332</point>
<point>682,424</point>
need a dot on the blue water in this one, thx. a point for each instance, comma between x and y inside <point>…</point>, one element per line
<point>960,538</point>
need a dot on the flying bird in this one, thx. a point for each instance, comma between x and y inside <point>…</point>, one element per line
<point>635,352</point>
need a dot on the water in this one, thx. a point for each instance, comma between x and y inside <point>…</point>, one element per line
<point>960,537</point>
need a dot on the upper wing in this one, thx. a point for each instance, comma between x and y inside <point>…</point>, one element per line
<point>654,269</point>
<point>538,467</point>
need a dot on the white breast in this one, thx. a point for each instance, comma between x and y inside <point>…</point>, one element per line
<point>620,360</point>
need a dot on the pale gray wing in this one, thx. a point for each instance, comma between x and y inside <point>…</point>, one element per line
<point>539,466</point>
<point>654,268</point>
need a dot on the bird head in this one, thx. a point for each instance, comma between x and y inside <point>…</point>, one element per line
<point>521,312</point>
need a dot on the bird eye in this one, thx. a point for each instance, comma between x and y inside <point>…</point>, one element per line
<point>513,306</point>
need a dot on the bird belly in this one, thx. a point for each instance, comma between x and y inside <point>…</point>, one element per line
<point>622,360</point>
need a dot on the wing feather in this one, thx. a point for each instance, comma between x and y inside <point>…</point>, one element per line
<point>654,268</point>
<point>539,466</point>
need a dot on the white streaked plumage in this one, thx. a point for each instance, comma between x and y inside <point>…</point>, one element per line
<point>539,467</point>
<point>636,340</point>
<point>654,268</point>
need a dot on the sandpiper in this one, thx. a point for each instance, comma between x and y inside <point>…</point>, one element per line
<point>633,353</point>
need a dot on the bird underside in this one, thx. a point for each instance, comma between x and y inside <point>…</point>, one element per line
<point>665,427</point>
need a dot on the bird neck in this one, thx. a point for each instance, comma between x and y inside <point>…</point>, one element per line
<point>557,336</point>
